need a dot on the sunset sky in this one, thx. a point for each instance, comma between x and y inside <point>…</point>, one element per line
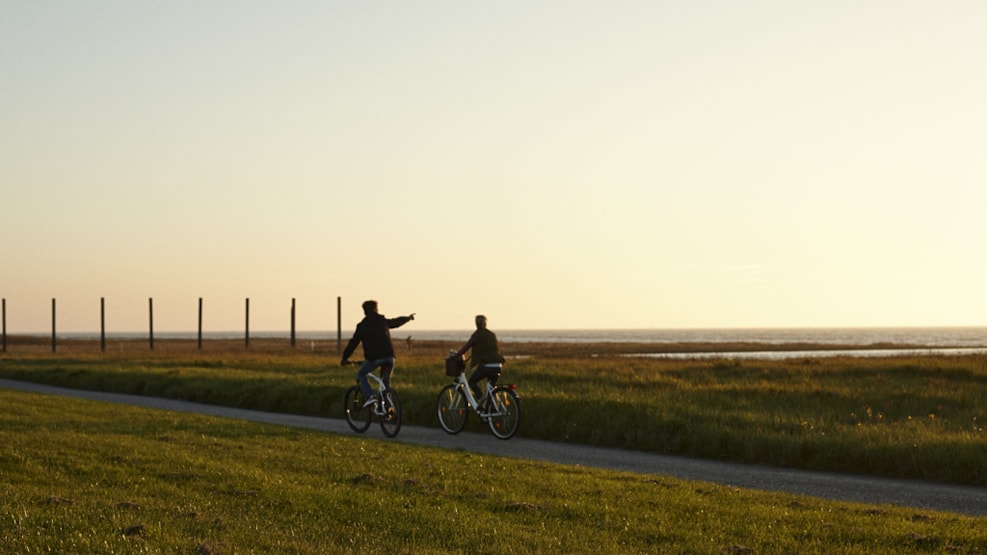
<point>552,164</point>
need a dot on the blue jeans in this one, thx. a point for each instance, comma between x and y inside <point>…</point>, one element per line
<point>386,366</point>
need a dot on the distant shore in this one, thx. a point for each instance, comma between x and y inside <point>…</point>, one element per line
<point>836,337</point>
<point>437,349</point>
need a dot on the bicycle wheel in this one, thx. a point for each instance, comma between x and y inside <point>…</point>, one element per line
<point>452,409</point>
<point>357,416</point>
<point>505,413</point>
<point>390,421</point>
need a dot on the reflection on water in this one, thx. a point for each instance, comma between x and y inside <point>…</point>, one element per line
<point>785,355</point>
<point>927,337</point>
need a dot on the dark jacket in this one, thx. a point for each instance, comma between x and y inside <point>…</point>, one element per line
<point>484,345</point>
<point>374,332</point>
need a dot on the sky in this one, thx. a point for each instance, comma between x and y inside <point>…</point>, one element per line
<point>551,164</point>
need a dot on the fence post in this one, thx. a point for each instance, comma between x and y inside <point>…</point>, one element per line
<point>246,336</point>
<point>102,324</point>
<point>292,322</point>
<point>150,316</point>
<point>53,325</point>
<point>4,310</point>
<point>200,323</point>
<point>339,324</point>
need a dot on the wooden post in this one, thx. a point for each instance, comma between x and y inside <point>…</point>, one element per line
<point>53,325</point>
<point>339,324</point>
<point>200,323</point>
<point>4,325</point>
<point>246,337</point>
<point>292,322</point>
<point>102,324</point>
<point>150,316</point>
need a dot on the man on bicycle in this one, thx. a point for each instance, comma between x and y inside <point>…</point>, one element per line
<point>378,351</point>
<point>486,358</point>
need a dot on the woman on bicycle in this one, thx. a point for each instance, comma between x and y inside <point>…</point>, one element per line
<point>486,358</point>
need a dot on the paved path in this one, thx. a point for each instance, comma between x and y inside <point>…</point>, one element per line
<point>877,491</point>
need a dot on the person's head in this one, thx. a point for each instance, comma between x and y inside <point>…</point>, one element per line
<point>481,322</point>
<point>370,307</point>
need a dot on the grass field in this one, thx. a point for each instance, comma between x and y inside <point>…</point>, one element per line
<point>902,417</point>
<point>85,477</point>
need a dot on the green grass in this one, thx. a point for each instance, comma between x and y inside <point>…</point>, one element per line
<point>916,417</point>
<point>904,418</point>
<point>85,477</point>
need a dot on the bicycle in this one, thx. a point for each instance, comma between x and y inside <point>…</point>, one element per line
<point>387,408</point>
<point>499,407</point>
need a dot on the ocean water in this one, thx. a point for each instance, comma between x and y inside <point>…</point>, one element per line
<point>931,341</point>
<point>852,341</point>
<point>929,337</point>
<point>933,337</point>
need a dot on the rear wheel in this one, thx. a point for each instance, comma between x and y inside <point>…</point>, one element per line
<point>505,413</point>
<point>390,421</point>
<point>357,416</point>
<point>451,409</point>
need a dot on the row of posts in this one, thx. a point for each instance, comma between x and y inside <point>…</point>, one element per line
<point>150,312</point>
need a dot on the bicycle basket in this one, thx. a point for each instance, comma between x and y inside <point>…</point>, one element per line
<point>454,366</point>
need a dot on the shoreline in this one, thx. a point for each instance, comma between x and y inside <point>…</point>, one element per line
<point>943,336</point>
<point>437,349</point>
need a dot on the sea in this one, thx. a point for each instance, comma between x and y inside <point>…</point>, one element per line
<point>853,341</point>
<point>931,337</point>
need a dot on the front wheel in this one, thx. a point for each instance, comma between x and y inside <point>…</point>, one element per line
<point>451,409</point>
<point>390,421</point>
<point>357,415</point>
<point>505,413</point>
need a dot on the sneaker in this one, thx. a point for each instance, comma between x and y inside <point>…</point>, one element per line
<point>370,402</point>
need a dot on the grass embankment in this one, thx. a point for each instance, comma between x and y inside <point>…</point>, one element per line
<point>84,477</point>
<point>902,417</point>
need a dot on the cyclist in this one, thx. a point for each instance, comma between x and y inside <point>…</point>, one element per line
<point>378,351</point>
<point>486,358</point>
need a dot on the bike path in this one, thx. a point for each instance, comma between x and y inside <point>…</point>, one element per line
<point>969,500</point>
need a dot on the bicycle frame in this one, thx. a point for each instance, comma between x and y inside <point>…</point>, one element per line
<point>387,407</point>
<point>474,403</point>
<point>499,408</point>
<point>379,409</point>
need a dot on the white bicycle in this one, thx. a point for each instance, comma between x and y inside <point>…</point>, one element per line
<point>387,408</point>
<point>499,407</point>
